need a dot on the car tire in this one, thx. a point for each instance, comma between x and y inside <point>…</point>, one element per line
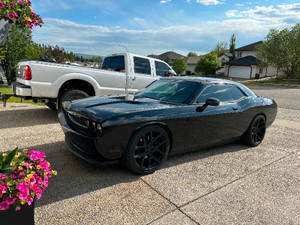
<point>147,150</point>
<point>70,95</point>
<point>51,105</point>
<point>256,131</point>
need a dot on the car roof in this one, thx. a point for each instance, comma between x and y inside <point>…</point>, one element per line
<point>202,80</point>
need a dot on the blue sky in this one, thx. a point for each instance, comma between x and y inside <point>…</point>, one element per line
<point>99,27</point>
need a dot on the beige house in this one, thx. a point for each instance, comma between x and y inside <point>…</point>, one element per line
<point>244,64</point>
<point>191,63</point>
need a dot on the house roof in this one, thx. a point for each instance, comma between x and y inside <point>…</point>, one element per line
<point>193,60</point>
<point>244,61</point>
<point>250,47</point>
<point>172,55</point>
<point>228,54</point>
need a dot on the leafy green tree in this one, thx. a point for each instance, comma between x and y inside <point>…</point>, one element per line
<point>16,49</point>
<point>190,54</point>
<point>220,48</point>
<point>281,50</point>
<point>208,64</point>
<point>179,66</point>
<point>232,43</point>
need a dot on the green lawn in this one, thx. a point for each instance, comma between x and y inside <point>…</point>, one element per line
<point>274,81</point>
<point>14,99</point>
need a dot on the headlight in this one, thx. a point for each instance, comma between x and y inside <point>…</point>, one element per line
<point>89,126</point>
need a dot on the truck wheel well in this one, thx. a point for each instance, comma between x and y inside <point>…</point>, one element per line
<point>79,85</point>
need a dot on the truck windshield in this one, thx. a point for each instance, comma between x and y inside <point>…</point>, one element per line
<point>115,63</point>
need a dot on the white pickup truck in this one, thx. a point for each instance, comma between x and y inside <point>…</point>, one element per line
<point>53,83</point>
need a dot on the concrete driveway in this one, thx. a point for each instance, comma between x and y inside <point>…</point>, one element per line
<point>231,184</point>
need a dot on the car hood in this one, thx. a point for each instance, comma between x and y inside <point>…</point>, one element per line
<point>101,109</point>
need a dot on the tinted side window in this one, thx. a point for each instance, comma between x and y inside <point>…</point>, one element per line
<point>221,92</point>
<point>142,65</point>
<point>236,93</point>
<point>161,68</point>
<point>115,62</point>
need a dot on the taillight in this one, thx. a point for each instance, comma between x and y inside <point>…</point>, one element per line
<point>27,73</point>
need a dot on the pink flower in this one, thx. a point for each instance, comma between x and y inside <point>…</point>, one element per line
<point>12,4</point>
<point>35,155</point>
<point>11,16</point>
<point>2,190</point>
<point>4,185</point>
<point>44,164</point>
<point>1,5</point>
<point>13,176</point>
<point>24,194</point>
<point>45,184</point>
<point>16,15</point>
<point>18,208</point>
<point>29,2</point>
<point>4,206</point>
<point>23,186</point>
<point>10,200</point>
<point>2,176</point>
<point>29,200</point>
<point>38,179</point>
<point>27,164</point>
<point>31,180</point>
<point>38,195</point>
<point>21,2</point>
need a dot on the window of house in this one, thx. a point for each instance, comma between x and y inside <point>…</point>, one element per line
<point>116,63</point>
<point>142,65</point>
<point>221,92</point>
<point>261,70</point>
<point>239,54</point>
<point>161,68</point>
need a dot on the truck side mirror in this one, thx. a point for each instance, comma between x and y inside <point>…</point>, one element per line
<point>169,73</point>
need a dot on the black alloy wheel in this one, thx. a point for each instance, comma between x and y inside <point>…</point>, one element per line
<point>256,131</point>
<point>147,149</point>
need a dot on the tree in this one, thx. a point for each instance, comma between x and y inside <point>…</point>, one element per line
<point>208,64</point>
<point>232,43</point>
<point>220,48</point>
<point>57,53</point>
<point>168,60</point>
<point>281,50</point>
<point>179,66</point>
<point>190,54</point>
<point>16,49</point>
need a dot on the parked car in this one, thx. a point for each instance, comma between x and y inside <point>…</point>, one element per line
<point>170,116</point>
<point>52,83</point>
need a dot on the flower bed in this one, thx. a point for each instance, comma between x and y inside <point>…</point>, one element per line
<point>23,177</point>
<point>20,13</point>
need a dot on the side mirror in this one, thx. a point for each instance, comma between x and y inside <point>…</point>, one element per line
<point>211,102</point>
<point>170,73</point>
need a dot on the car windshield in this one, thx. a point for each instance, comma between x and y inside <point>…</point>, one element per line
<point>174,91</point>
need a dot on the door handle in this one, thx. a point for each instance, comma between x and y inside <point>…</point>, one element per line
<point>234,108</point>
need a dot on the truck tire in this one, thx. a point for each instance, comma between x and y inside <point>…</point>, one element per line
<point>51,105</point>
<point>69,95</point>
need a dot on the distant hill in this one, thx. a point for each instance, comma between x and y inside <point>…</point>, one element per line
<point>86,56</point>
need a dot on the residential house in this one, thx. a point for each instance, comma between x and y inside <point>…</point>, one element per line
<point>168,56</point>
<point>191,63</point>
<point>244,64</point>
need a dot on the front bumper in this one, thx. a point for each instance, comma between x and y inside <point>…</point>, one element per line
<point>21,89</point>
<point>82,146</point>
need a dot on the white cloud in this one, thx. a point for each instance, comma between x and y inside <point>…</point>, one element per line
<point>164,1</point>
<point>239,5</point>
<point>208,2</point>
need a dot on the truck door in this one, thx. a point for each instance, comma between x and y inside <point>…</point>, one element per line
<point>142,74</point>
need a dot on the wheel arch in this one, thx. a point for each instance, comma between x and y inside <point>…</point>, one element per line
<point>77,84</point>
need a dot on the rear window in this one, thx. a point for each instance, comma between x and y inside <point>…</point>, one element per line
<point>142,65</point>
<point>116,63</point>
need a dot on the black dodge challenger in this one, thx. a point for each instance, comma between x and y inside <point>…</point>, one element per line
<point>170,116</point>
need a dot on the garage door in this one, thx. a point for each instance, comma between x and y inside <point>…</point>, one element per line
<point>240,71</point>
